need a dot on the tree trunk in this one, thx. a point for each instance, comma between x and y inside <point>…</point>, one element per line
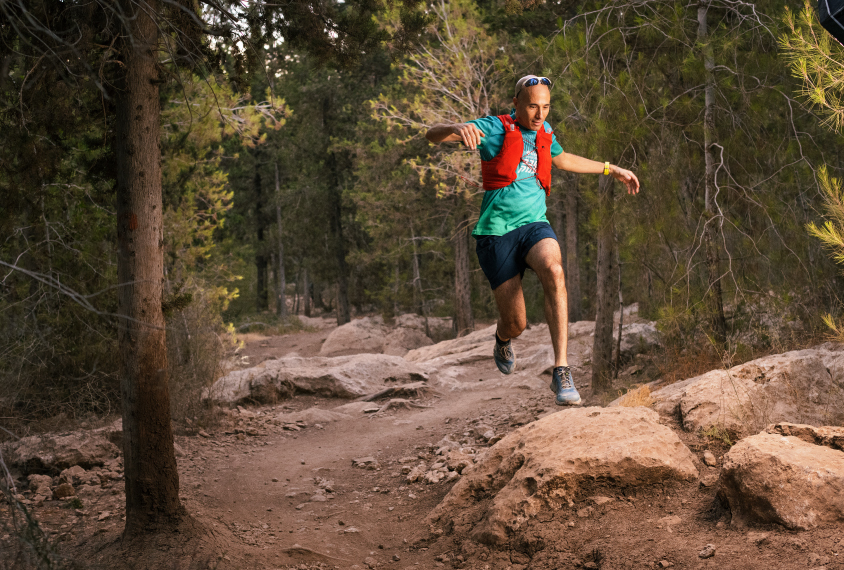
<point>716,301</point>
<point>605,294</point>
<point>572,267</point>
<point>463,321</point>
<point>152,481</point>
<point>281,298</point>
<point>617,362</point>
<point>306,293</point>
<point>559,220</point>
<point>261,302</point>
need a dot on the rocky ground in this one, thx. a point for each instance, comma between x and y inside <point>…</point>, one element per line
<point>436,460</point>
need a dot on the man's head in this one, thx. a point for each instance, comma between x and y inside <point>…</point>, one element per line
<point>532,101</point>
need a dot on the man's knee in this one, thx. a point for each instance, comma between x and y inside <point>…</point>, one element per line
<point>553,276</point>
<point>511,327</point>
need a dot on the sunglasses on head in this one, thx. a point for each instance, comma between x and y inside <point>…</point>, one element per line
<point>536,81</point>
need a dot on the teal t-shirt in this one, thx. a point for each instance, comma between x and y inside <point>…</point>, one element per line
<point>523,201</point>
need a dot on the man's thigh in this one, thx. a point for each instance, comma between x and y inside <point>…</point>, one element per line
<point>510,298</point>
<point>544,255</point>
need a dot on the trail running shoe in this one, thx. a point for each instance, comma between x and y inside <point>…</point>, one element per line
<point>562,384</point>
<point>504,356</point>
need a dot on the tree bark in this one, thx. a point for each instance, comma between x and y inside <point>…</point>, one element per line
<point>605,294</point>
<point>261,301</point>
<point>464,321</point>
<point>281,298</point>
<point>572,267</point>
<point>343,312</point>
<point>714,294</point>
<point>306,293</point>
<point>152,480</point>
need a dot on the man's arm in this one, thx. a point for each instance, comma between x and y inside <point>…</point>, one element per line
<point>467,133</point>
<point>580,165</point>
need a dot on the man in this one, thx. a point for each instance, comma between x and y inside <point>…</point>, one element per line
<point>512,233</point>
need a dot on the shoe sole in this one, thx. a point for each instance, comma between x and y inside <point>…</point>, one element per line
<point>511,370</point>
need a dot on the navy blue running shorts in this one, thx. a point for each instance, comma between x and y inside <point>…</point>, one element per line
<point>503,257</point>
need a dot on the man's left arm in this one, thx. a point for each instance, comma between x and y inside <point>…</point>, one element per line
<point>580,165</point>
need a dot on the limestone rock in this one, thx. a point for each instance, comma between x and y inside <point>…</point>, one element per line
<point>802,386</point>
<point>402,340</point>
<point>542,465</point>
<point>366,335</point>
<point>50,453</point>
<point>340,376</point>
<point>775,478</point>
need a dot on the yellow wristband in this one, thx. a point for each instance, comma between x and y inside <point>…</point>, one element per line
<point>606,168</point>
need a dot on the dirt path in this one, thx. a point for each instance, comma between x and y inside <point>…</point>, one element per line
<point>290,495</point>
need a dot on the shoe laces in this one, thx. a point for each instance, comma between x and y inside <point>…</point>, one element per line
<point>566,381</point>
<point>505,351</point>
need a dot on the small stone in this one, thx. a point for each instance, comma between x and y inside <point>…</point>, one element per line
<point>370,562</point>
<point>758,538</point>
<point>707,552</point>
<point>274,480</point>
<point>103,516</point>
<point>665,564</point>
<point>585,512</point>
<point>300,507</point>
<point>396,557</point>
<point>571,523</point>
<point>64,491</point>
<point>351,530</point>
<point>600,500</point>
<point>203,433</point>
<point>366,463</point>
<point>488,435</point>
<point>591,566</point>
<point>709,458</point>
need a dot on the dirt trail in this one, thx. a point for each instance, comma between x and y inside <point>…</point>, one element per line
<point>291,497</point>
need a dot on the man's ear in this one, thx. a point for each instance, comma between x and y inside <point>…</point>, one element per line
<point>515,101</point>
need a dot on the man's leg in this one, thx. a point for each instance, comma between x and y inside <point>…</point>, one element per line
<point>545,259</point>
<point>512,317</point>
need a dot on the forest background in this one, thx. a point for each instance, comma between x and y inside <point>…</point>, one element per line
<point>313,183</point>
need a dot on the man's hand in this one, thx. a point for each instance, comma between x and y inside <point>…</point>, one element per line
<point>469,134</point>
<point>626,177</point>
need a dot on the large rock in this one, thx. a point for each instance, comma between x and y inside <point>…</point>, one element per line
<point>544,464</point>
<point>437,327</point>
<point>402,340</point>
<point>52,453</point>
<point>463,350</point>
<point>366,335</point>
<point>773,477</point>
<point>371,335</point>
<point>802,386</point>
<point>341,376</point>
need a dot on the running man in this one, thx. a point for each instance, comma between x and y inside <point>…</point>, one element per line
<point>512,234</point>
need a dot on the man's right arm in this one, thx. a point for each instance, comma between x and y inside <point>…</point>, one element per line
<point>467,133</point>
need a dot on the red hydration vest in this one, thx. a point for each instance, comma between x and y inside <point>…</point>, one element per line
<point>501,170</point>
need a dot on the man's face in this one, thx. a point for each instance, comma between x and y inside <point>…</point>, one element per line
<point>532,106</point>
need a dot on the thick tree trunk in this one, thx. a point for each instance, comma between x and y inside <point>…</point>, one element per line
<point>152,481</point>
<point>343,312</point>
<point>281,298</point>
<point>262,300</point>
<point>306,293</point>
<point>606,293</point>
<point>714,294</point>
<point>572,266</point>
<point>463,320</point>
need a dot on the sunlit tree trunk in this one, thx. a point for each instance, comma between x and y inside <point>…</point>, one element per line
<point>606,294</point>
<point>152,481</point>
<point>281,299</point>
<point>464,322</point>
<point>716,302</point>
<point>572,260</point>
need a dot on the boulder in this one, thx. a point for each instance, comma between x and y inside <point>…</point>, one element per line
<point>366,335</point>
<point>40,484</point>
<point>437,327</point>
<point>50,453</point>
<point>545,464</point>
<point>802,386</point>
<point>64,491</point>
<point>340,376</point>
<point>776,478</point>
<point>402,340</point>
<point>463,350</point>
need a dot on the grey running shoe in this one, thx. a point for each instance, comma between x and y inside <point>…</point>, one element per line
<point>504,356</point>
<point>562,384</point>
